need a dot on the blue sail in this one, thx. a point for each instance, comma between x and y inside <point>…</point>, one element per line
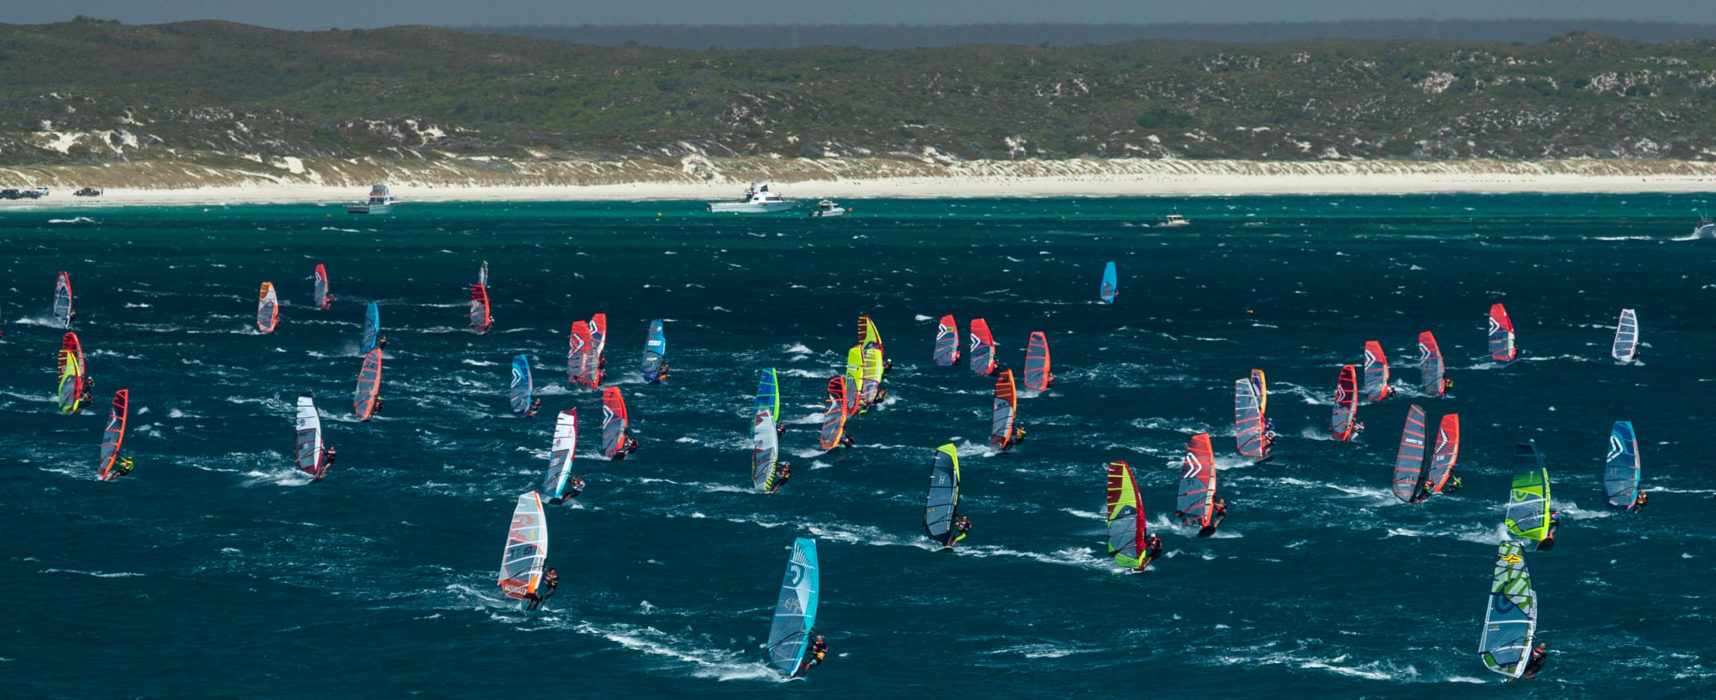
<point>522,390</point>
<point>1621,474</point>
<point>371,326</point>
<point>769,392</point>
<point>1108,284</point>
<point>655,352</point>
<point>795,613</point>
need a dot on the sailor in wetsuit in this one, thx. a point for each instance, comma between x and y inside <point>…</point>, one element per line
<point>550,583</point>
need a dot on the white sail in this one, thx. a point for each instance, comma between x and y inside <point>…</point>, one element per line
<point>1626,337</point>
<point>526,548</point>
<point>309,449</point>
<point>561,452</point>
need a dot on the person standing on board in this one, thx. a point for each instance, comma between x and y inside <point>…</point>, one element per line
<point>1538,657</point>
<point>535,405</point>
<point>550,583</point>
<point>1638,503</point>
<point>630,446</point>
<point>818,651</point>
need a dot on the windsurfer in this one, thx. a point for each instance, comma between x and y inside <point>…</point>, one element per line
<point>660,374</point>
<point>577,487</point>
<point>962,528</point>
<point>881,395</point>
<point>376,411</point>
<point>122,466</point>
<point>1554,524</point>
<point>783,471</point>
<point>887,366</point>
<point>1358,427</point>
<point>1220,511</point>
<point>328,455</point>
<point>1153,546</point>
<point>629,446</point>
<point>550,583</point>
<point>1538,657</point>
<point>70,318</point>
<point>1453,484</point>
<point>381,343</point>
<point>845,439</point>
<point>88,394</point>
<point>1638,503</point>
<point>535,405</point>
<point>1017,437</point>
<point>818,651</point>
<point>1447,384</point>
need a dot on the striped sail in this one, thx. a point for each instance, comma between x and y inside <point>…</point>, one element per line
<point>371,327</point>
<point>267,309</point>
<point>1528,502</point>
<point>561,452</point>
<point>1346,404</point>
<point>481,321</point>
<point>769,392</point>
<point>1247,420</point>
<point>113,438</point>
<point>522,389</point>
<point>1409,461</point>
<point>946,342</point>
<point>855,377</point>
<point>868,337</point>
<point>581,369</point>
<point>873,364</point>
<point>1260,385</point>
<point>368,385</point>
<point>1037,374</point>
<point>1446,453</point>
<point>1375,372</point>
<point>71,372</point>
<point>599,334</point>
<point>1621,472</point>
<point>1108,289</point>
<point>1501,335</point>
<point>613,421</point>
<point>1126,526</point>
<point>1626,337</point>
<point>526,548</point>
<point>1429,365</point>
<point>63,300</point>
<point>1003,409</point>
<point>1510,621</point>
<point>942,503</point>
<point>795,611</point>
<point>982,347</point>
<point>308,445</point>
<point>834,417</point>
<point>1196,504</point>
<point>322,298</point>
<point>765,450</point>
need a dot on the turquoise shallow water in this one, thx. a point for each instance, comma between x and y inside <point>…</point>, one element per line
<point>216,571</point>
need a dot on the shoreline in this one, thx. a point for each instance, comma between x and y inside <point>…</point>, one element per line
<point>696,178</point>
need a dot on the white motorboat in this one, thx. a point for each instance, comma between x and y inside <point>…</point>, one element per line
<point>380,202</point>
<point>1173,220</point>
<point>1705,228</point>
<point>758,200</point>
<point>827,208</point>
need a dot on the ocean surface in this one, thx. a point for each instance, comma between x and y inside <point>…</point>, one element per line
<point>217,570</point>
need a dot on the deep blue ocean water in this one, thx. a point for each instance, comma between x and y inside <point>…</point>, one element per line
<point>216,570</point>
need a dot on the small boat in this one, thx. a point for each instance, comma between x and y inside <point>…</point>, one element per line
<point>1172,221</point>
<point>380,202</point>
<point>758,200</point>
<point>827,208</point>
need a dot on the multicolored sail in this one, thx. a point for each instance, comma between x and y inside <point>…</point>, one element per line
<point>1501,335</point>
<point>368,385</point>
<point>1510,621</point>
<point>873,367</point>
<point>371,327</point>
<point>1196,504</point>
<point>526,548</point>
<point>946,342</point>
<point>1126,527</point>
<point>71,371</point>
<point>1445,455</point>
<point>1528,504</point>
<point>769,391</point>
<point>522,389</point>
<point>1409,461</point>
<point>63,300</point>
<point>113,438</point>
<point>1260,385</point>
<point>1626,348</point>
<point>308,445</point>
<point>1375,372</point>
<point>1429,365</point>
<point>613,422</point>
<point>834,417</point>
<point>795,611</point>
<point>765,451</point>
<point>1037,373</point>
<point>1109,281</point>
<point>561,453</point>
<point>942,504</point>
<point>481,321</point>
<point>599,335</point>
<point>1346,404</point>
<point>1003,409</point>
<point>855,377</point>
<point>1248,420</point>
<point>1621,472</point>
<point>655,352</point>
<point>267,309</point>
<point>581,362</point>
<point>868,337</point>
<point>322,298</point>
<point>982,348</point>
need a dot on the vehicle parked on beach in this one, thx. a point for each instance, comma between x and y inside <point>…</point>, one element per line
<point>10,193</point>
<point>87,192</point>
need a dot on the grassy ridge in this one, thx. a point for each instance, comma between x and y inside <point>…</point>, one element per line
<point>91,91</point>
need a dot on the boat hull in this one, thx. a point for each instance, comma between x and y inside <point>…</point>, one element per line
<point>749,208</point>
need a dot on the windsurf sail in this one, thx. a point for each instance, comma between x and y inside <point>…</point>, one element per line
<point>267,309</point>
<point>322,298</point>
<point>526,548</point>
<point>1621,473</point>
<point>71,370</point>
<point>581,360</point>
<point>522,389</point>
<point>855,377</point>
<point>1346,404</point>
<point>561,453</point>
<point>613,421</point>
<point>834,417</point>
<point>1409,462</point>
<point>1501,335</point>
<point>1446,454</point>
<point>769,391</point>
<point>1260,385</point>
<point>308,449</point>
<point>599,334</point>
<point>867,335</point>
<point>795,612</point>
<point>1248,420</point>
<point>1126,526</point>
<point>1037,374</point>
<point>114,437</point>
<point>481,322</point>
<point>1510,621</point>
<point>982,347</point>
<point>483,274</point>
<point>1429,364</point>
<point>946,342</point>
<point>655,352</point>
<point>872,374</point>
<point>1528,504</point>
<point>63,300</point>
<point>368,385</point>
<point>371,327</point>
<point>1375,372</point>
<point>1196,504</point>
<point>765,450</point>
<point>1108,290</point>
<point>943,501</point>
<point>1003,410</point>
<point>1626,337</point>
